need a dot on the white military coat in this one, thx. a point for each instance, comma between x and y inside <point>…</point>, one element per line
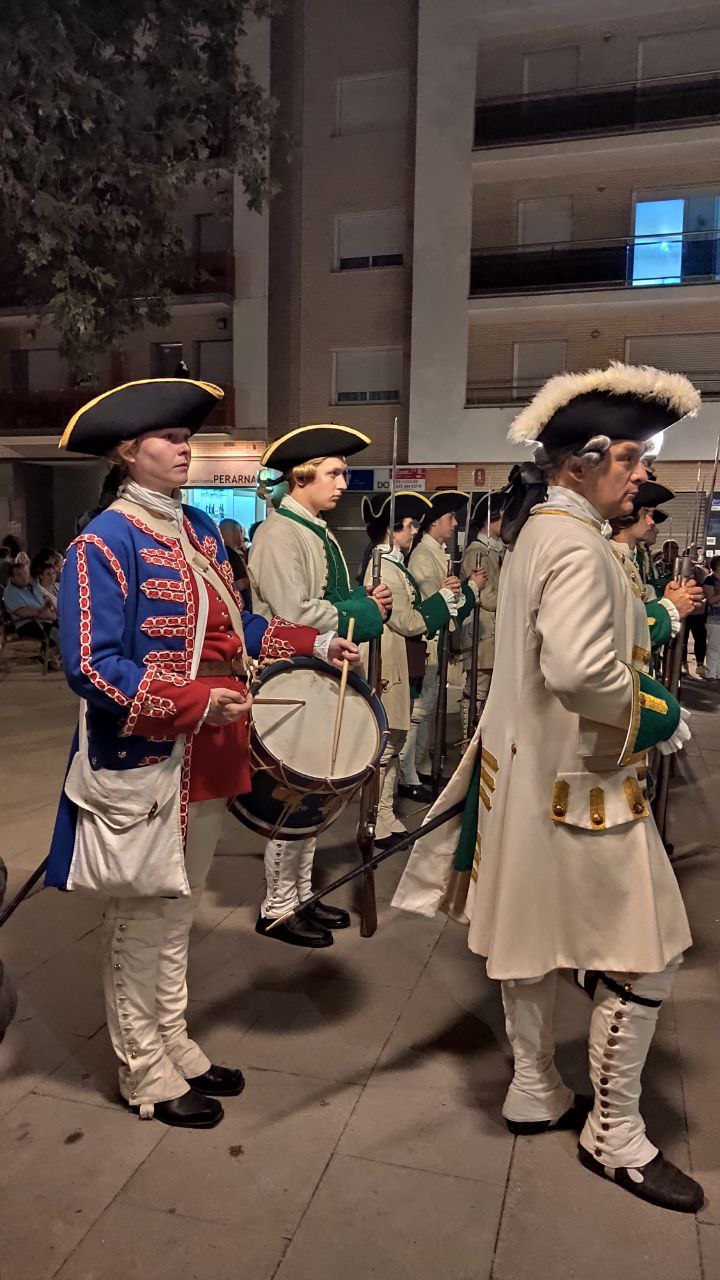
<point>569,868</point>
<point>491,561</point>
<point>288,572</point>
<point>405,620</point>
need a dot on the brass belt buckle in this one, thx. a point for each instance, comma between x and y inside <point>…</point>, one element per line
<point>236,667</point>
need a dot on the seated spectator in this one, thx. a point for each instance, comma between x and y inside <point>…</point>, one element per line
<point>32,617</point>
<point>5,563</point>
<point>44,575</point>
<point>236,545</point>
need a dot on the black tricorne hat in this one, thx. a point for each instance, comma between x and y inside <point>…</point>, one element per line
<point>622,402</point>
<point>407,503</point>
<point>651,494</point>
<point>479,513</point>
<point>319,440</point>
<point>131,410</point>
<point>660,516</point>
<point>443,502</point>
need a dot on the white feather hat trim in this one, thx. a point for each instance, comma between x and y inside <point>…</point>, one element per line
<point>671,389</point>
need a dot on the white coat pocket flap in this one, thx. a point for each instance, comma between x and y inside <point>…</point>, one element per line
<point>599,801</point>
<point>122,797</point>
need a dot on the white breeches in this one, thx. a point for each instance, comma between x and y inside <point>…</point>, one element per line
<point>145,952</point>
<point>288,874</point>
<point>415,754</point>
<point>712,659</point>
<point>387,823</point>
<point>620,1035</point>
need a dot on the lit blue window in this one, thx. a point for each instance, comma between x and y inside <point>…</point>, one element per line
<point>658,244</point>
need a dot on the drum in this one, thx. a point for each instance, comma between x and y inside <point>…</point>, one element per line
<point>296,790</point>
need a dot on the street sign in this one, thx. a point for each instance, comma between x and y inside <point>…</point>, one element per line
<point>361,479</point>
<point>406,478</point>
<point>479,476</point>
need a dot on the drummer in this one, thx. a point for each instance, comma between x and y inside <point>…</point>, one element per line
<point>412,618</point>
<point>295,563</point>
<point>154,640</point>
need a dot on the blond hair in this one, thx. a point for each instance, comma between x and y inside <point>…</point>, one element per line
<point>304,473</point>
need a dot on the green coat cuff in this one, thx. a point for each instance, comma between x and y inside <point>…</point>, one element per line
<point>436,614</point>
<point>466,608</point>
<point>654,717</point>
<point>368,619</point>
<point>659,623</point>
<point>467,840</point>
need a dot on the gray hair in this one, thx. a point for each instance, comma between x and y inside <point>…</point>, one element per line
<point>588,457</point>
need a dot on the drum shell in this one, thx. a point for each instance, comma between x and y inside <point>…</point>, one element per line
<point>284,803</point>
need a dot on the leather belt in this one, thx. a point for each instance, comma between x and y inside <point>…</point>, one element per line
<point>235,667</point>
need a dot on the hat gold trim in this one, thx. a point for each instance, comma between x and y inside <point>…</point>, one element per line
<point>139,382</point>
<point>315,426</point>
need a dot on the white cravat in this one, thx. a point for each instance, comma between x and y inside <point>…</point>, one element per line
<point>159,503</point>
<point>574,503</point>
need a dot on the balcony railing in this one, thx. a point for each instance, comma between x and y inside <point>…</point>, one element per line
<point>631,262</point>
<point>46,413</point>
<point>486,393</point>
<point>635,107</point>
<point>201,273</point>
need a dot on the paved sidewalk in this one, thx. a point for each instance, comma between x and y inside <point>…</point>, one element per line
<point>369,1141</point>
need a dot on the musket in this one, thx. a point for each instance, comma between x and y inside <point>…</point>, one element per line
<point>475,642</point>
<point>709,504</point>
<point>672,672</point>
<point>696,513</point>
<point>440,741</point>
<point>370,794</point>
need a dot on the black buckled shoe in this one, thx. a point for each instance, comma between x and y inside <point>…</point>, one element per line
<point>416,792</point>
<point>190,1111</point>
<point>296,931</point>
<point>573,1118</point>
<point>658,1182</point>
<point>219,1082</point>
<point>327,917</point>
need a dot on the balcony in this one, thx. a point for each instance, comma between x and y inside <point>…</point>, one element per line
<point>486,393</point>
<point>635,107</point>
<point>46,413</point>
<point>197,275</point>
<point>631,262</point>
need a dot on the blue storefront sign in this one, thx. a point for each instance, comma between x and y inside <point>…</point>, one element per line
<point>361,479</point>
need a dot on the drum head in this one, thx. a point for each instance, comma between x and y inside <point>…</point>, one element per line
<point>301,737</point>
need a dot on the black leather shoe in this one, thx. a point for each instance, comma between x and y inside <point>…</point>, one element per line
<point>191,1111</point>
<point>219,1082</point>
<point>327,917</point>
<point>659,1182</point>
<point>409,791</point>
<point>573,1118</point>
<point>296,931</point>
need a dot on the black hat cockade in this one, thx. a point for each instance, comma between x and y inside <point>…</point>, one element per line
<point>133,409</point>
<point>407,503</point>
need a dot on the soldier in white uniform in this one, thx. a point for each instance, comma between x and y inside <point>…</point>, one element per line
<point>429,567</point>
<point>485,550</point>
<point>564,867</point>
<point>295,558</point>
<point>412,618</point>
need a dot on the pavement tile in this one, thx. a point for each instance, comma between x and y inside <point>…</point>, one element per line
<point>325,1029</point>
<point>63,1164</point>
<point>440,1044</point>
<point>419,1129</point>
<point>44,925</point>
<point>394,957</point>
<point>710,1251</point>
<point>30,1051</point>
<point>394,1224</point>
<point>234,965</point>
<point>66,990</point>
<point>696,1020</point>
<point>561,1221</point>
<point>259,1168</point>
<point>130,1240</point>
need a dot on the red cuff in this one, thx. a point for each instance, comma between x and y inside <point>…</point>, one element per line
<point>169,710</point>
<point>284,639</point>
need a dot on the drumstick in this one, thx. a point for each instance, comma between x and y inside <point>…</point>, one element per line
<point>341,699</point>
<point>279,702</point>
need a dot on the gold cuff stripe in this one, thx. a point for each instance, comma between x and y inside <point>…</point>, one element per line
<point>485,798</point>
<point>487,779</point>
<point>490,760</point>
<point>653,704</point>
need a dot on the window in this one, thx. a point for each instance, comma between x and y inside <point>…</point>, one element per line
<point>364,240</point>
<point>534,363</point>
<point>694,354</point>
<point>548,69</point>
<point>165,358</point>
<point>547,220</point>
<point>679,53</point>
<point>676,240</point>
<point>368,103</point>
<point>212,233</point>
<point>367,376</point>
<point>215,361</point>
<point>39,370</point>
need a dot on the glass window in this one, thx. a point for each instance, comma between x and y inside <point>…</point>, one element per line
<point>369,239</point>
<point>242,505</point>
<point>363,376</point>
<point>658,246</point>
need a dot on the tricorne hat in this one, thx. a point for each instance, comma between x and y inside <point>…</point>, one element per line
<point>129,411</point>
<point>319,440</point>
<point>479,512</point>
<point>651,494</point>
<point>443,502</point>
<point>407,503</point>
<point>622,402</point>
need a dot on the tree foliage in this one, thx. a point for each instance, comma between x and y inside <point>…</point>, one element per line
<point>109,110</point>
